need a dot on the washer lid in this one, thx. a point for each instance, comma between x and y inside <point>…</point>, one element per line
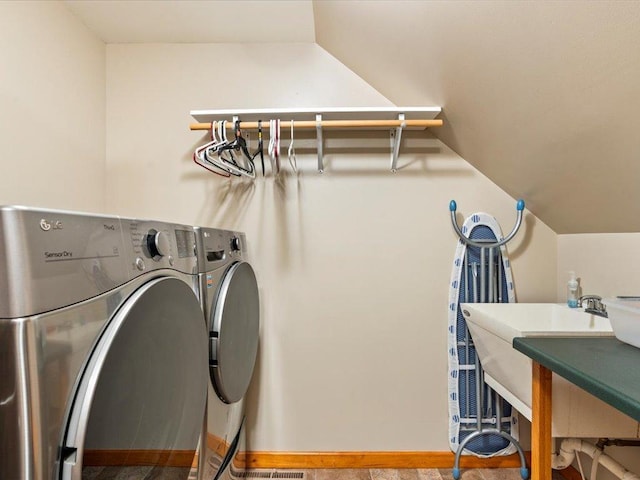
<point>234,335</point>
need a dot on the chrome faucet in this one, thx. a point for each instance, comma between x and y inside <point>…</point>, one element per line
<point>593,305</point>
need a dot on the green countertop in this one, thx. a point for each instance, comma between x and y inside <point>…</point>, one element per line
<point>603,366</point>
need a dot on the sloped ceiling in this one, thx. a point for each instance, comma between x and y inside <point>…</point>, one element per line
<point>542,97</point>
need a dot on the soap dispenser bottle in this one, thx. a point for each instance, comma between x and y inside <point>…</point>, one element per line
<point>572,290</point>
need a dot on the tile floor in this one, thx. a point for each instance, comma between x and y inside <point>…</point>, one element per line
<point>213,462</point>
<point>149,473</point>
<point>414,474</point>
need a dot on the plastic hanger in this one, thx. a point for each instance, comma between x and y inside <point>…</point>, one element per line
<point>260,146</point>
<point>275,132</point>
<point>200,158</point>
<point>210,153</point>
<point>215,154</point>
<point>291,153</point>
<point>238,144</point>
<point>272,143</point>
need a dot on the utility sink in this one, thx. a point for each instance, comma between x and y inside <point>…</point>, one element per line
<point>493,327</point>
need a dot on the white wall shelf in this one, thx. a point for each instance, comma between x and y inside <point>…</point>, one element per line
<point>298,114</point>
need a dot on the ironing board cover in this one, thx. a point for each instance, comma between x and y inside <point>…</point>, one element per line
<point>481,227</point>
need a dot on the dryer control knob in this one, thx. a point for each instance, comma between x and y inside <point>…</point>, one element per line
<point>235,244</point>
<point>158,244</point>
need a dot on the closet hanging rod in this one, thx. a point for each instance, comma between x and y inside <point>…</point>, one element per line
<point>330,124</point>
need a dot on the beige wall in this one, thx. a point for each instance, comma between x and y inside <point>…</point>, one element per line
<point>52,120</point>
<point>607,264</point>
<point>353,265</point>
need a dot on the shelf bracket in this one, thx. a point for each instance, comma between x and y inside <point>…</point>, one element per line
<point>396,138</point>
<point>320,142</point>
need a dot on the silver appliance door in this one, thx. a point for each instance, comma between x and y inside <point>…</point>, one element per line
<point>235,323</point>
<point>138,406</point>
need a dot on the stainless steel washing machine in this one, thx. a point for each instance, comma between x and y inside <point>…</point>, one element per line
<point>103,355</point>
<point>230,301</point>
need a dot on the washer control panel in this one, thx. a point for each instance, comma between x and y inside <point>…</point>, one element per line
<point>217,247</point>
<point>157,245</point>
<point>56,258</point>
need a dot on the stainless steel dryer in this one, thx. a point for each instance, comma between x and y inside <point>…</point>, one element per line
<point>230,301</point>
<point>102,347</point>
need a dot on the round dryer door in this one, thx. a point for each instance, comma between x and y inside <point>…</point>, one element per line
<point>139,402</point>
<point>234,336</point>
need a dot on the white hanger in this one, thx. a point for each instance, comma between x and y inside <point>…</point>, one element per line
<point>277,145</point>
<point>293,161</point>
<point>272,150</point>
<point>201,158</point>
<point>272,138</point>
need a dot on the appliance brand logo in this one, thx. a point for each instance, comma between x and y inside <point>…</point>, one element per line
<point>109,227</point>
<point>47,225</point>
